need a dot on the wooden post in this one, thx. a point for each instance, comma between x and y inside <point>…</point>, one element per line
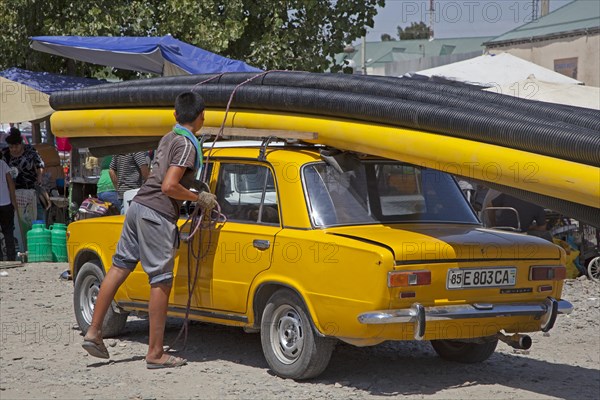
<point>49,134</point>
<point>36,134</point>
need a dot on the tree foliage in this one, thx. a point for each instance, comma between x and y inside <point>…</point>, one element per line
<point>269,34</point>
<point>416,30</point>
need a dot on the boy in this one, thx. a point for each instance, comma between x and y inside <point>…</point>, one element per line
<point>150,233</point>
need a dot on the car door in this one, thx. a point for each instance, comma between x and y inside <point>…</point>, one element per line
<point>241,245</point>
<point>138,287</point>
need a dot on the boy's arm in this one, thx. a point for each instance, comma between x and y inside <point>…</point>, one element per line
<point>171,186</point>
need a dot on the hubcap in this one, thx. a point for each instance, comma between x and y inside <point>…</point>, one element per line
<point>89,294</point>
<point>287,334</point>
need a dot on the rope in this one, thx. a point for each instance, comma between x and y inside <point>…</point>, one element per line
<point>197,222</point>
<point>222,128</point>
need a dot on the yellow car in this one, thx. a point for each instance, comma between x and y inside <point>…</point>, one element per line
<point>316,246</point>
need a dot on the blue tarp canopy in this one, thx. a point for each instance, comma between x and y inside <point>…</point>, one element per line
<point>160,55</point>
<point>46,82</point>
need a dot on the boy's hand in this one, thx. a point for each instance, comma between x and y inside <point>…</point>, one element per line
<point>207,201</point>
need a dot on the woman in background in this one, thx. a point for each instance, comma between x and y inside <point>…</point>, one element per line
<point>27,161</point>
<point>25,158</point>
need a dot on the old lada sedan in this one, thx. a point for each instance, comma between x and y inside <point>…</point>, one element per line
<point>316,246</point>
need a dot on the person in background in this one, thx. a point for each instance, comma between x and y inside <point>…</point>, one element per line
<point>129,171</point>
<point>532,218</point>
<point>105,188</point>
<point>25,158</point>
<point>8,206</point>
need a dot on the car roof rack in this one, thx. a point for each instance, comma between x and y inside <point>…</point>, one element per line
<point>249,133</point>
<point>268,136</point>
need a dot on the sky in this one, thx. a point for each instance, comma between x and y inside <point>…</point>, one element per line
<point>456,18</point>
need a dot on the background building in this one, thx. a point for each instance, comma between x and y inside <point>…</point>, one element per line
<point>397,57</point>
<point>566,40</point>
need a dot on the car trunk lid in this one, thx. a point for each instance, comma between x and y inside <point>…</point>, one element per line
<point>412,244</point>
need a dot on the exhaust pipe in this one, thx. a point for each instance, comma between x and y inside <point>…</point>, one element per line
<point>517,341</point>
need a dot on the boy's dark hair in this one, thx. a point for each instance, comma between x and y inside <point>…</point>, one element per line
<point>14,137</point>
<point>188,105</point>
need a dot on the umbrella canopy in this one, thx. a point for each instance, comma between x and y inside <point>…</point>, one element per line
<point>534,89</point>
<point>47,82</point>
<point>20,103</point>
<point>495,70</point>
<point>160,55</point>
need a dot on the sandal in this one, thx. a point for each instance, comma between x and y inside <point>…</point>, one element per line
<point>170,362</point>
<point>95,349</point>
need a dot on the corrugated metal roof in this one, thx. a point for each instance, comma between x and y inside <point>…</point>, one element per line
<point>576,16</point>
<point>379,53</point>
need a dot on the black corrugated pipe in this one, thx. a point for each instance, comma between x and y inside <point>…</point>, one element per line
<point>580,116</point>
<point>410,89</point>
<point>377,87</point>
<point>577,144</point>
<point>389,87</point>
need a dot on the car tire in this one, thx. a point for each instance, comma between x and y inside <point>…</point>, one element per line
<point>87,286</point>
<point>465,352</point>
<point>290,344</point>
<point>593,269</point>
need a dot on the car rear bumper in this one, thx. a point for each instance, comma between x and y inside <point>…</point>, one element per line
<point>546,311</point>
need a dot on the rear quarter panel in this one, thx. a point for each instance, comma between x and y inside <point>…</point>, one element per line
<point>337,277</point>
<point>94,238</point>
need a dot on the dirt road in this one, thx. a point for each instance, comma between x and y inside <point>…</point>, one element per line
<point>41,357</point>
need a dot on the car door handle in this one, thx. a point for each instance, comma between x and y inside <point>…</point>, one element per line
<point>261,244</point>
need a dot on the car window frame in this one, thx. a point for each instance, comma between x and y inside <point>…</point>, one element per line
<point>307,201</point>
<point>218,170</point>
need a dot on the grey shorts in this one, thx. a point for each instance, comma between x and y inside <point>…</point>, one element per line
<point>148,237</point>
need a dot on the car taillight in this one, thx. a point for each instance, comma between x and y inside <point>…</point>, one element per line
<point>409,278</point>
<point>68,234</point>
<point>543,273</point>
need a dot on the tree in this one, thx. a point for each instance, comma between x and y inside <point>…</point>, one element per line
<point>386,37</point>
<point>416,30</point>
<point>270,34</point>
<point>22,19</point>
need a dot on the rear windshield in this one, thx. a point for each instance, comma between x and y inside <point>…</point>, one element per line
<point>372,192</point>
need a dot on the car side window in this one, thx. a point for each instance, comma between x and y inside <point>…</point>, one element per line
<point>246,193</point>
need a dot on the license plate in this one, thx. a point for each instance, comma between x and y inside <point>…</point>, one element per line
<point>481,277</point>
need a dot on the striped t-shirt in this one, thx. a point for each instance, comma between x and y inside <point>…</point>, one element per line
<point>127,168</point>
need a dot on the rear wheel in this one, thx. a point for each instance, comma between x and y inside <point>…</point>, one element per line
<point>87,286</point>
<point>465,352</point>
<point>290,345</point>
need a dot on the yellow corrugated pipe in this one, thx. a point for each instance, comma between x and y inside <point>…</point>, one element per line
<point>578,183</point>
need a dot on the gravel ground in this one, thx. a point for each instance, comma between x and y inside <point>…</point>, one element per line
<point>41,357</point>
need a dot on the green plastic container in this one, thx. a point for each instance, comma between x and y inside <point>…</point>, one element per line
<point>59,242</point>
<point>39,243</point>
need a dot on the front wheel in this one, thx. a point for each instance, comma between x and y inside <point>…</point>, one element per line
<point>290,345</point>
<point>87,286</point>
<point>465,352</point>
